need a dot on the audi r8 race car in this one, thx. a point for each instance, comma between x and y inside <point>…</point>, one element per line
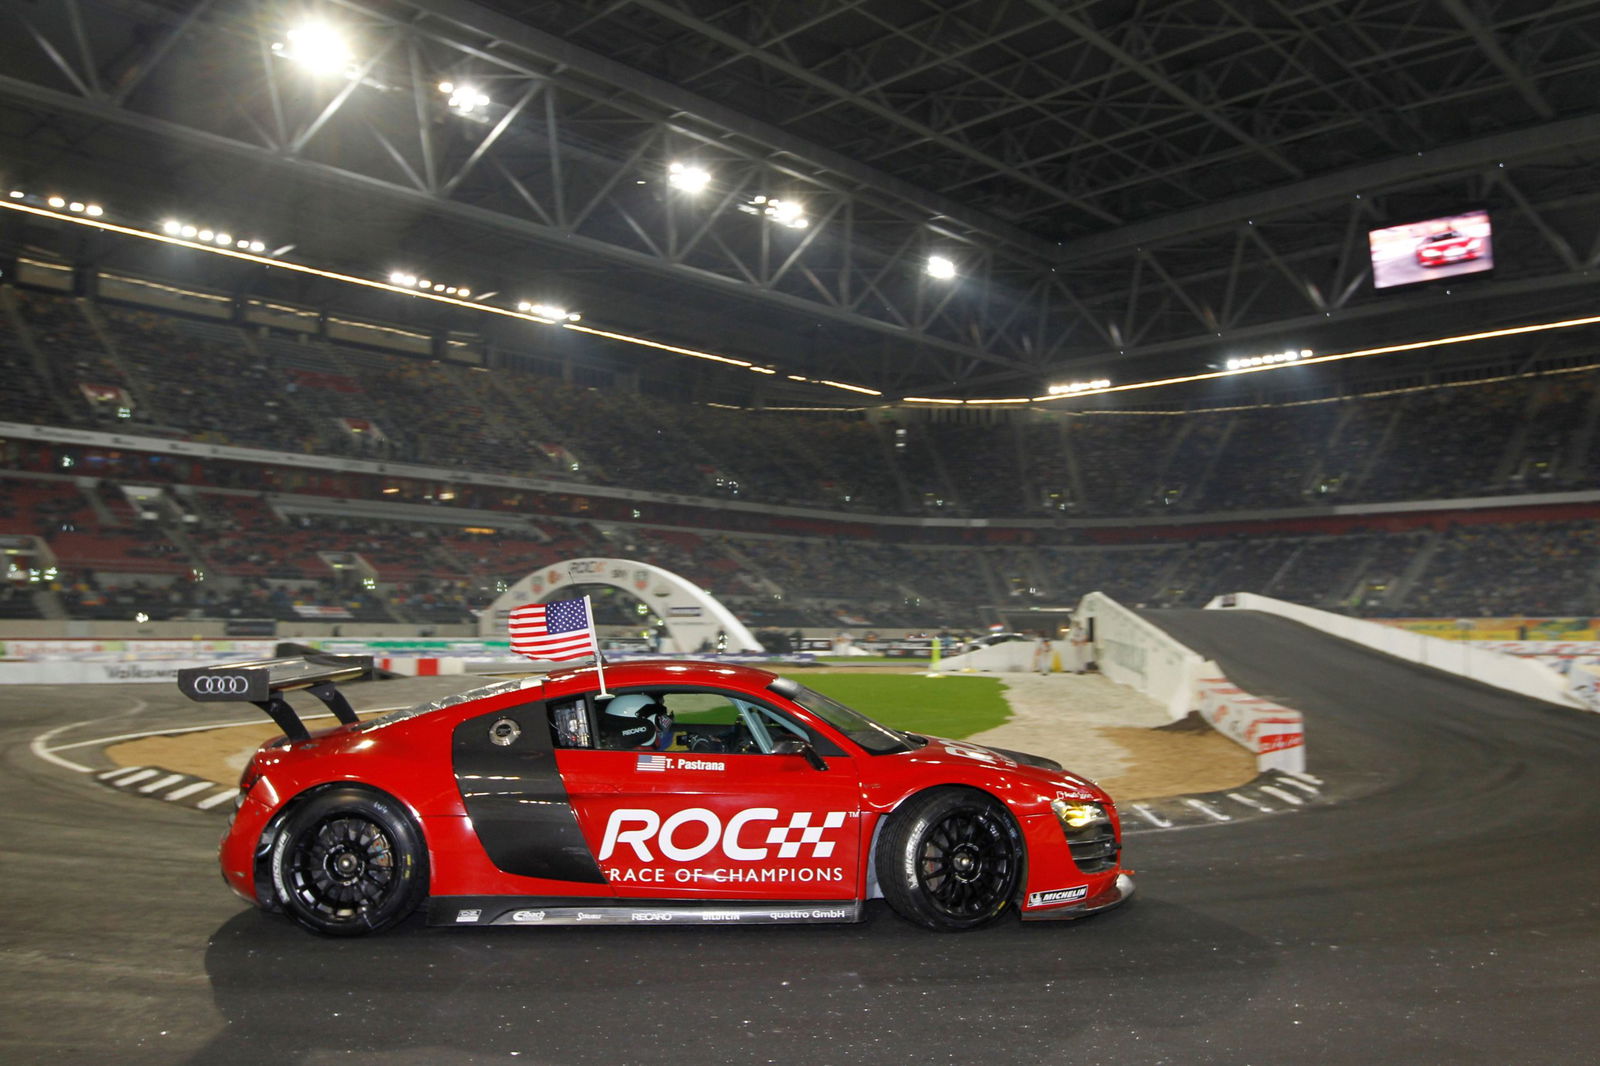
<point>1448,246</point>
<point>681,792</point>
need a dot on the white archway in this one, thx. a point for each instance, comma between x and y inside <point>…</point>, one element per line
<point>692,615</point>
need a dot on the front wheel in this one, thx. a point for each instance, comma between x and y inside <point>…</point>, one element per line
<point>950,859</point>
<point>349,862</point>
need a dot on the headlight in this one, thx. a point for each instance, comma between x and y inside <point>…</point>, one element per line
<point>1076,817</point>
<point>1090,837</point>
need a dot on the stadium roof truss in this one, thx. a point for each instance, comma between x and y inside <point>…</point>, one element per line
<point>1123,186</point>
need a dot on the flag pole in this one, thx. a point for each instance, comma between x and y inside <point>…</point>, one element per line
<point>594,638</point>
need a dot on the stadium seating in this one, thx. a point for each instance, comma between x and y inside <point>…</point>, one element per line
<point>231,539</point>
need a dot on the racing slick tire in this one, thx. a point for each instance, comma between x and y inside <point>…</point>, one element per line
<point>349,862</point>
<point>950,859</point>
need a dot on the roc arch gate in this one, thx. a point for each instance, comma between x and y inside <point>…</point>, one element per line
<point>692,615</point>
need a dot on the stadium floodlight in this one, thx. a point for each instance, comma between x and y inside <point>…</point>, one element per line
<point>57,202</point>
<point>688,177</point>
<point>76,205</point>
<point>464,99</point>
<point>787,213</point>
<point>318,47</point>
<point>172,227</point>
<point>94,210</point>
<point>941,268</point>
<point>783,212</point>
<point>189,231</point>
<point>17,194</point>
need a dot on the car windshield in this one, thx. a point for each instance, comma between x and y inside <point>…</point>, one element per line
<point>876,738</point>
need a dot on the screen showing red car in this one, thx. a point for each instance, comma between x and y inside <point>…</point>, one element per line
<point>1444,247</point>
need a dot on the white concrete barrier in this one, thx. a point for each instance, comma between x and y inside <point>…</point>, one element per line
<point>1522,676</point>
<point>1133,652</point>
<point>96,673</point>
<point>1012,656</point>
<point>88,649</point>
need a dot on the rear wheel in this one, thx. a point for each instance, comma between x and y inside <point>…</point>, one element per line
<point>349,862</point>
<point>950,859</point>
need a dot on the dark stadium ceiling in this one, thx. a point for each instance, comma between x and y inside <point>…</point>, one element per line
<point>1126,189</point>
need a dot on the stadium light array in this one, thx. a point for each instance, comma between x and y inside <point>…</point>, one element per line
<point>319,48</point>
<point>1288,356</point>
<point>412,281</point>
<point>57,202</point>
<point>205,235</point>
<point>783,212</point>
<point>688,177</point>
<point>1072,388</point>
<point>940,268</point>
<point>464,99</point>
<point>549,313</point>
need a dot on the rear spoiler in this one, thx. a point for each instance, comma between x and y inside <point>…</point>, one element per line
<point>263,682</point>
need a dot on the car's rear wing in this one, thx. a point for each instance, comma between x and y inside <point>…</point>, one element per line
<point>264,681</point>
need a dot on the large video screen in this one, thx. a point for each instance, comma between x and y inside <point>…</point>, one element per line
<point>1444,247</point>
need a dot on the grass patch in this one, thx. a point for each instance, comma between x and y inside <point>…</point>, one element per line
<point>952,707</point>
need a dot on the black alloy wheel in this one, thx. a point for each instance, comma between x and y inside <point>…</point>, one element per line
<point>349,862</point>
<point>950,859</point>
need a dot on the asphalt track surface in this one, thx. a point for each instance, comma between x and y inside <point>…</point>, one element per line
<point>1443,908</point>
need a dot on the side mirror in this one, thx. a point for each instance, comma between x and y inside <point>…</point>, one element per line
<point>796,746</point>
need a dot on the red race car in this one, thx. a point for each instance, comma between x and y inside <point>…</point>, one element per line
<point>1448,246</point>
<point>690,792</point>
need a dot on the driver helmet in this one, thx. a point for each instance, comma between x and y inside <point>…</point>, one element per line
<point>635,721</point>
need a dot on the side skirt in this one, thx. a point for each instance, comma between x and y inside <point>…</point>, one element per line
<point>544,910</point>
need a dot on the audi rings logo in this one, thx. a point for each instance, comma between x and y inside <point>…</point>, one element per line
<point>221,685</point>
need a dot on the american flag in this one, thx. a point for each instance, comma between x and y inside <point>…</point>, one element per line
<point>651,762</point>
<point>556,631</point>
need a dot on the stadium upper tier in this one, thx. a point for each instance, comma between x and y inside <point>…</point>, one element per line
<point>86,364</point>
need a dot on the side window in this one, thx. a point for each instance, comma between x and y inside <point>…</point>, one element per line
<point>700,708</point>
<point>716,723</point>
<point>569,724</point>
